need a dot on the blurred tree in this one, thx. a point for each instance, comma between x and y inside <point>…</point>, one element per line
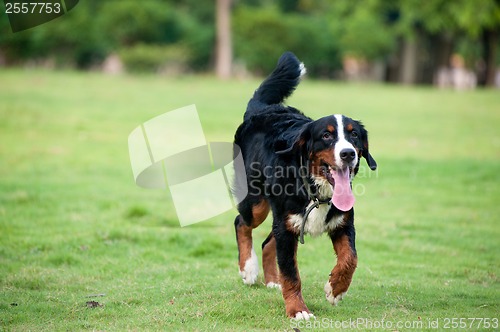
<point>131,22</point>
<point>262,34</point>
<point>481,19</point>
<point>224,51</point>
<point>73,39</point>
<point>361,29</point>
<point>14,48</point>
<point>448,23</point>
<point>412,37</point>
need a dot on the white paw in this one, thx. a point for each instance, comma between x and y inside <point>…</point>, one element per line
<point>273,285</point>
<point>304,315</point>
<point>251,270</point>
<point>334,300</point>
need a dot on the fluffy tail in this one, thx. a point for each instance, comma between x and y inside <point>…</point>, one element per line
<point>277,86</point>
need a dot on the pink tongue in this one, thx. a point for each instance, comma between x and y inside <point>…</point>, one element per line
<point>342,197</point>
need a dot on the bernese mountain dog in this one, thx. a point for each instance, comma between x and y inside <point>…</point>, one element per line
<point>301,170</point>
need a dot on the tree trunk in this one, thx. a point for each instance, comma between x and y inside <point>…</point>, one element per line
<point>223,52</point>
<point>490,55</point>
<point>443,47</point>
<point>408,69</point>
<point>440,48</point>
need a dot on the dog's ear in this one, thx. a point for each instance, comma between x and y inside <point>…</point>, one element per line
<point>366,153</point>
<point>300,142</point>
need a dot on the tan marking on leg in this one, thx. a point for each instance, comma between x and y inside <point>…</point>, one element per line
<point>244,232</point>
<point>269,265</point>
<point>259,213</point>
<point>341,276</point>
<point>292,295</point>
<point>244,237</point>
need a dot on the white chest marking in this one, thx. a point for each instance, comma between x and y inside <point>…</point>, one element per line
<point>316,221</point>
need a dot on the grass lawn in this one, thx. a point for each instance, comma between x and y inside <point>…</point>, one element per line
<point>75,228</point>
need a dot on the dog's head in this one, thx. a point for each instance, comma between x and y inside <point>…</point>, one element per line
<point>333,147</point>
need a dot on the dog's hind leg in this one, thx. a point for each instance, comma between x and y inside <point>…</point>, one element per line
<point>252,213</point>
<point>271,275</point>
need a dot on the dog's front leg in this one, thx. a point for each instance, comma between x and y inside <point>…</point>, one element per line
<point>286,249</point>
<point>340,278</point>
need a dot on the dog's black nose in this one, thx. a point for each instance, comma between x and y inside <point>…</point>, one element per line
<point>347,155</point>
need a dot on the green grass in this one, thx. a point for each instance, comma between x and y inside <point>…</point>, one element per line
<point>73,224</point>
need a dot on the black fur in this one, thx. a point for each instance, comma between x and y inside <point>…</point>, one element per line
<point>276,137</point>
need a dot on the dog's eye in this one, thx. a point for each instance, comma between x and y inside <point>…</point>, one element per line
<point>327,135</point>
<point>354,134</point>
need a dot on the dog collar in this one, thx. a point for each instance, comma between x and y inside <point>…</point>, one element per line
<point>313,197</point>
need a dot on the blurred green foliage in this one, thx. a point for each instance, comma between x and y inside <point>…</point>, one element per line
<point>321,32</point>
<point>262,33</point>
<point>155,58</point>
<point>94,29</point>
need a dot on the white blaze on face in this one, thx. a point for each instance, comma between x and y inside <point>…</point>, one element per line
<point>342,143</point>
<point>342,197</point>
